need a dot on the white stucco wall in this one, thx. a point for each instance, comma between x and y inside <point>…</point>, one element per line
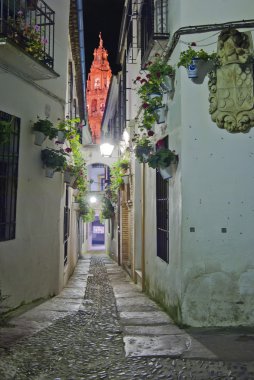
<point>31,265</point>
<point>209,277</point>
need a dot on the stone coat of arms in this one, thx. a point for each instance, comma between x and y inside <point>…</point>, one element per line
<point>231,84</point>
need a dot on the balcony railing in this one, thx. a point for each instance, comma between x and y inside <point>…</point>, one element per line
<point>29,24</point>
<point>153,25</point>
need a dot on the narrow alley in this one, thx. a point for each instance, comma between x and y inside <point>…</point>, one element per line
<point>103,327</point>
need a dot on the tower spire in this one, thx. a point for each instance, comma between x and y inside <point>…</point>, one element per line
<point>101,41</point>
<point>97,89</point>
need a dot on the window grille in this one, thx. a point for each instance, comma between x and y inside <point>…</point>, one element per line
<point>162,211</point>
<point>153,25</point>
<point>70,92</point>
<point>9,157</point>
<point>161,18</point>
<point>129,26</point>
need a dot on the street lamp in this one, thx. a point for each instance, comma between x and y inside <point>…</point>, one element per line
<point>106,149</point>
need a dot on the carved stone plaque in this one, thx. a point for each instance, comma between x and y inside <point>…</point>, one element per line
<point>231,85</point>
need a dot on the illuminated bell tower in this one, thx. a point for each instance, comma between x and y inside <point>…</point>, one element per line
<point>97,89</point>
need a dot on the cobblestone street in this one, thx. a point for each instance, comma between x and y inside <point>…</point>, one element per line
<point>88,343</point>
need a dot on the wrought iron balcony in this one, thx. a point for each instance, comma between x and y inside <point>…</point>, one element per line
<point>28,25</point>
<point>153,26</point>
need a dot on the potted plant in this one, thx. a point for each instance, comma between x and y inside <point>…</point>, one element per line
<point>190,58</point>
<point>116,180</point>
<point>86,212</point>
<point>71,173</point>
<point>162,159</point>
<point>107,209</point>
<point>162,72</point>
<point>151,88</point>
<point>89,216</point>
<point>66,129</point>
<point>143,146</point>
<point>53,160</point>
<point>81,182</point>
<point>27,34</point>
<point>124,164</point>
<point>42,129</point>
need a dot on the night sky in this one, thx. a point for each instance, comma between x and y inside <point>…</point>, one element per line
<point>103,16</point>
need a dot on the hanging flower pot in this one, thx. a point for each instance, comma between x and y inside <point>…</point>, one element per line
<point>43,128</point>
<point>160,114</point>
<point>49,172</point>
<point>69,178</point>
<point>125,179</point>
<point>165,172</point>
<point>39,138</point>
<point>153,95</point>
<point>168,84</point>
<point>76,206</point>
<point>53,161</point>
<point>61,137</point>
<point>192,69</point>
<point>75,192</point>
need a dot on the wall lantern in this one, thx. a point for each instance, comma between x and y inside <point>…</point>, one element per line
<point>106,149</point>
<point>93,200</point>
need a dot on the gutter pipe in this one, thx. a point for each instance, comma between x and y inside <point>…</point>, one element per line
<point>79,4</point>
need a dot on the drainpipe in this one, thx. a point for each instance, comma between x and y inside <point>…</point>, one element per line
<point>80,12</point>
<point>204,29</point>
<point>143,193</point>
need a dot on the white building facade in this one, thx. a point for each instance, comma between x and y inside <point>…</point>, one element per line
<point>40,250</point>
<point>203,275</point>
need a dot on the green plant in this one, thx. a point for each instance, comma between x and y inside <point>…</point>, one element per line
<point>81,182</point>
<point>89,216</point>
<point>68,126</point>
<point>5,131</point>
<point>86,211</point>
<point>150,89</point>
<point>46,127</point>
<point>143,146</point>
<point>117,171</point>
<point>77,167</point>
<point>124,163</point>
<point>53,158</point>
<point>28,35</point>
<point>188,55</point>
<point>162,158</point>
<point>107,209</point>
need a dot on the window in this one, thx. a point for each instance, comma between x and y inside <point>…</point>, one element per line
<point>162,217</point>
<point>70,90</point>
<point>9,156</point>
<point>94,105</point>
<point>152,26</point>
<point>97,83</point>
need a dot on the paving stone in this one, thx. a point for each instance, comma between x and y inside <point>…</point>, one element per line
<point>88,343</point>
<point>165,345</point>
<point>166,329</point>
<point>144,318</point>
